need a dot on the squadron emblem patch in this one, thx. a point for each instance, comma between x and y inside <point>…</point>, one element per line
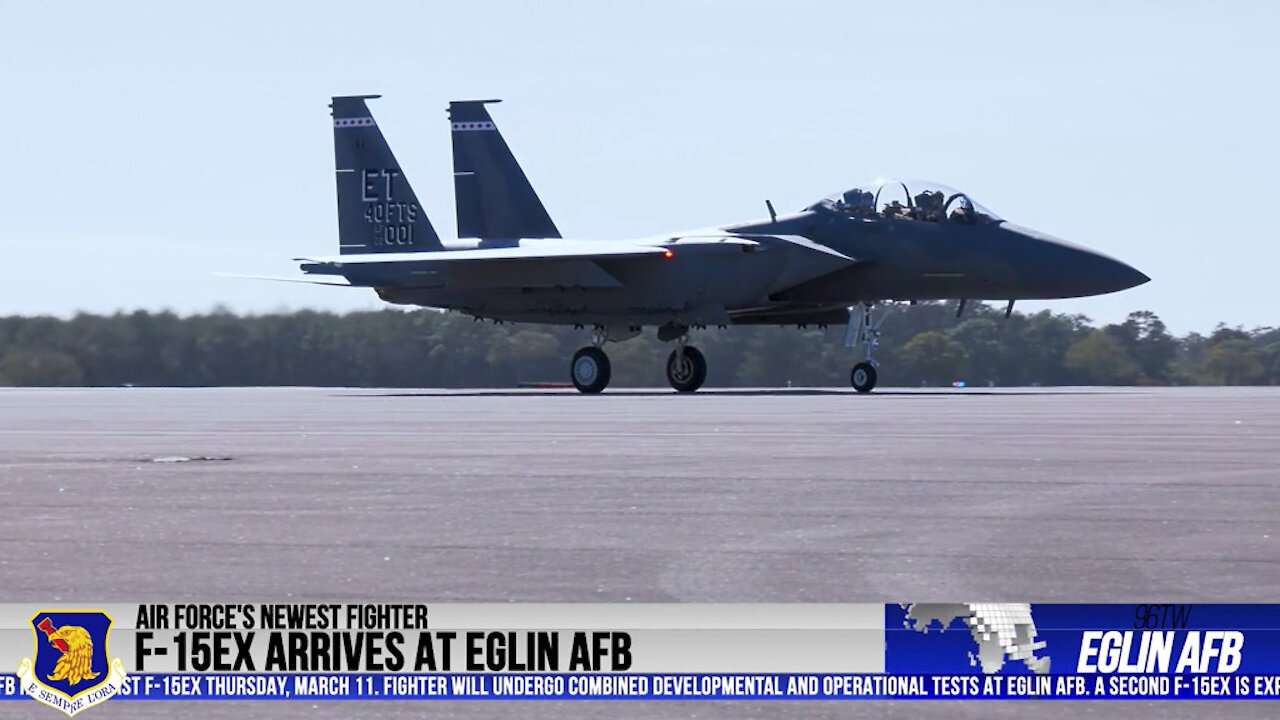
<point>71,670</point>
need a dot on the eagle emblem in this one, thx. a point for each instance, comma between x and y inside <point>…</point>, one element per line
<point>76,663</point>
<point>70,670</point>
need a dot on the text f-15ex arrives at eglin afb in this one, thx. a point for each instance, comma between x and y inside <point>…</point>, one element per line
<point>830,263</point>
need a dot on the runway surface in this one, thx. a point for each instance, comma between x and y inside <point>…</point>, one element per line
<point>790,495</point>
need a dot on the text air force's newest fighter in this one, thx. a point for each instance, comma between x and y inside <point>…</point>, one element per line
<point>827,264</point>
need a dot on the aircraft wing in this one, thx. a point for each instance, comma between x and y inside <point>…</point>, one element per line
<point>335,282</point>
<point>789,315</point>
<point>566,263</point>
<point>578,249</point>
<point>533,263</point>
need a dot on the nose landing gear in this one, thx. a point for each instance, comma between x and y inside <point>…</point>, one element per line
<point>863,377</point>
<point>865,330</point>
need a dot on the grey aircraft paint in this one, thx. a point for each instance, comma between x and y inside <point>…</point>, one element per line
<point>812,267</point>
<point>494,198</point>
<point>378,211</point>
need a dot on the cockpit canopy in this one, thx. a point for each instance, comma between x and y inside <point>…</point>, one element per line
<point>908,200</point>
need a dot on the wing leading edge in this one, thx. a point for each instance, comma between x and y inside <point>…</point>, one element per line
<point>585,250</point>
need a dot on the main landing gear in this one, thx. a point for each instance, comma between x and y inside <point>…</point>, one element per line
<point>865,330</point>
<point>590,370</point>
<point>686,366</point>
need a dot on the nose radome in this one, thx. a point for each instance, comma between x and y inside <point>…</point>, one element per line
<point>1093,273</point>
<point>1078,271</point>
<point>1128,276</point>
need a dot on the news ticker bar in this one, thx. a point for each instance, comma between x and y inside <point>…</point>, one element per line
<point>679,686</point>
<point>496,651</point>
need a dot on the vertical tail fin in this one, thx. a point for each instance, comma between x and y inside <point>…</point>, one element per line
<point>495,199</point>
<point>377,210</point>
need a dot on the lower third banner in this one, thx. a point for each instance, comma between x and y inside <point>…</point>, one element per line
<point>72,659</point>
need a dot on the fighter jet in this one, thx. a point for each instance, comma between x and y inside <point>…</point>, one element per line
<point>834,262</point>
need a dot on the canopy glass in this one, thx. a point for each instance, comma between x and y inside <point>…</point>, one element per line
<point>909,200</point>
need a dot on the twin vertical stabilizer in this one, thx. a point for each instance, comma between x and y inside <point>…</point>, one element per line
<point>495,200</point>
<point>377,209</point>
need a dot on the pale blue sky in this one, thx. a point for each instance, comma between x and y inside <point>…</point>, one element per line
<point>152,143</point>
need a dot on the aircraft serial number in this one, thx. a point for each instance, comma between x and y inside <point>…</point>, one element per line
<point>393,235</point>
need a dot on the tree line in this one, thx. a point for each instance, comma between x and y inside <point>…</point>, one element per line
<point>921,345</point>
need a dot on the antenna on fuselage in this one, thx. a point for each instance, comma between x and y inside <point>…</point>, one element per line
<point>773,215</point>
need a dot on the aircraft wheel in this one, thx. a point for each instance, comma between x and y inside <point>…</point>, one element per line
<point>687,369</point>
<point>590,370</point>
<point>863,377</point>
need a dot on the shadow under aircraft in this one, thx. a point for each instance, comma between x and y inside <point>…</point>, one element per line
<point>834,262</point>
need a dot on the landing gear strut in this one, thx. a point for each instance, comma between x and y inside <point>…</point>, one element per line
<point>590,369</point>
<point>865,330</point>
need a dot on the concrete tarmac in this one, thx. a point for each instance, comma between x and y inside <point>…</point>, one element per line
<point>1168,495</point>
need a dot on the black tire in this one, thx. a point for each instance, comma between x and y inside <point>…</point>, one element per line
<point>687,370</point>
<point>590,370</point>
<point>863,377</point>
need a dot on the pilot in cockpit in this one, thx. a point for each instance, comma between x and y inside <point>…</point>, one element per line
<point>858,202</point>
<point>929,205</point>
<point>961,209</point>
<point>895,209</point>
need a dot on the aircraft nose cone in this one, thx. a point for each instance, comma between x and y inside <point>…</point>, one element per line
<point>1077,271</point>
<point>1092,273</point>
<point>1127,276</point>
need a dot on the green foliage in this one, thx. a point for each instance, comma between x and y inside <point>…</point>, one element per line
<point>985,345</point>
<point>933,358</point>
<point>1100,359</point>
<point>1270,358</point>
<point>1232,362</point>
<point>1145,339</point>
<point>924,344</point>
<point>39,368</point>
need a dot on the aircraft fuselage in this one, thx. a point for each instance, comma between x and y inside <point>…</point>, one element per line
<point>707,284</point>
